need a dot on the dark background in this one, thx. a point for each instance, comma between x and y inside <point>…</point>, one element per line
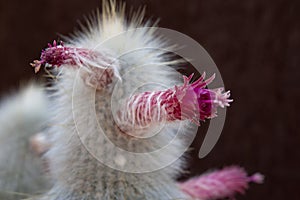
<point>255,45</point>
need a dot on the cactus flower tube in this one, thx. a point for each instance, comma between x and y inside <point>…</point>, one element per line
<point>57,55</point>
<point>190,101</point>
<point>99,66</point>
<point>220,184</point>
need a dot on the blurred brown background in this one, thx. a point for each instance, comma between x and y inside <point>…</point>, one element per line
<point>254,43</point>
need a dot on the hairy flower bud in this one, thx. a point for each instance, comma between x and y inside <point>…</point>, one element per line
<point>220,184</point>
<point>191,101</point>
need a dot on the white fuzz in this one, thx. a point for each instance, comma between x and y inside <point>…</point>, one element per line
<point>83,126</point>
<point>21,116</point>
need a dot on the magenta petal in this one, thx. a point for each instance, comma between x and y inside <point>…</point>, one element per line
<point>198,102</point>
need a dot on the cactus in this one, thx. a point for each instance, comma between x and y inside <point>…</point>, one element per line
<point>116,104</point>
<point>75,140</point>
<point>21,116</point>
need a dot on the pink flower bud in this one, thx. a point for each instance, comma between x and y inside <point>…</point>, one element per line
<point>220,184</point>
<point>187,102</point>
<point>57,55</point>
<point>100,68</point>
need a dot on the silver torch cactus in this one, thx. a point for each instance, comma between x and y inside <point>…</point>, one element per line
<point>121,116</point>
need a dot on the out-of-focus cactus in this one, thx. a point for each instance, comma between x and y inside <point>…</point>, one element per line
<point>21,116</point>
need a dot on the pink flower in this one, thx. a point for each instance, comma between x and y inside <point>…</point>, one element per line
<point>187,102</point>
<point>220,184</point>
<point>198,103</point>
<point>100,67</point>
<point>57,55</point>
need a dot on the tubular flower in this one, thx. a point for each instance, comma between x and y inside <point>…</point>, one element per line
<point>220,184</point>
<point>57,55</point>
<point>191,101</point>
<point>101,67</point>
